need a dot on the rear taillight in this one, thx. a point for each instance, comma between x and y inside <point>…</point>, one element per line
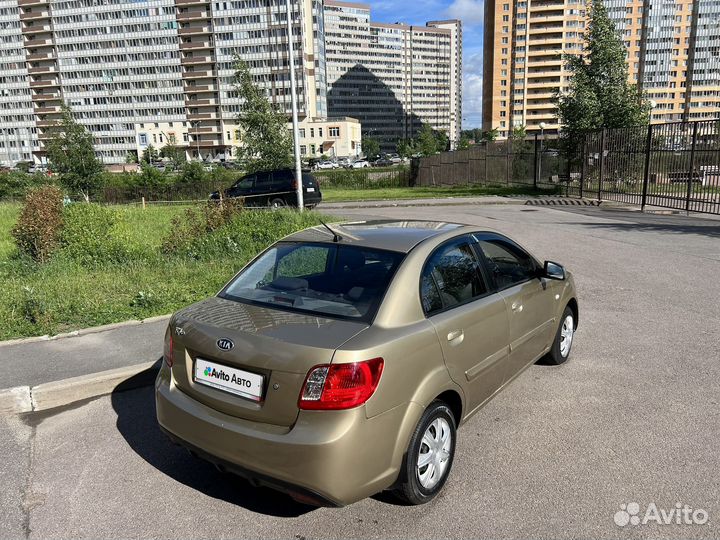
<point>340,386</point>
<point>294,184</point>
<point>168,353</point>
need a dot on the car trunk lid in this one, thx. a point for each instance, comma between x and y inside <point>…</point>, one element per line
<point>277,345</point>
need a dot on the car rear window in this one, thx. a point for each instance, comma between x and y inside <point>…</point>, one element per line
<point>332,280</point>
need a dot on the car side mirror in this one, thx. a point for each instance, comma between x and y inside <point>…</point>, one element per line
<point>553,270</point>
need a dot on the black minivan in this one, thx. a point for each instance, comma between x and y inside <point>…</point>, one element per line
<point>275,189</point>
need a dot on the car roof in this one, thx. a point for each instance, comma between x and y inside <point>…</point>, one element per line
<point>392,235</point>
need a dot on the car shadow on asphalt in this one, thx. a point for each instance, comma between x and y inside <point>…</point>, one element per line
<point>137,423</point>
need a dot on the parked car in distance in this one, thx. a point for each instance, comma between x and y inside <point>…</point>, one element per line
<point>341,360</point>
<point>360,164</point>
<point>382,162</point>
<point>326,165</point>
<point>275,189</point>
<point>395,158</point>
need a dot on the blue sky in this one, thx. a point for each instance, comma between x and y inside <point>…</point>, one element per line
<point>470,12</point>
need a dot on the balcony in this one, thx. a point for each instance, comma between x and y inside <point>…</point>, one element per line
<point>35,42</point>
<point>204,74</point>
<point>195,60</point>
<point>192,15</point>
<point>46,97</point>
<point>195,45</point>
<point>200,102</point>
<point>205,129</point>
<point>191,2</point>
<point>44,83</point>
<point>28,15</point>
<point>31,3</point>
<point>36,29</point>
<point>194,30</point>
<point>202,116</point>
<point>37,57</point>
<point>39,70</point>
<point>54,109</point>
<point>46,123</point>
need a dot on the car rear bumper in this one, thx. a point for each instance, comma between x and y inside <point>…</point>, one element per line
<point>326,457</point>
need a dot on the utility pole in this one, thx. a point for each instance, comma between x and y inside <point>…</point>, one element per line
<point>293,96</point>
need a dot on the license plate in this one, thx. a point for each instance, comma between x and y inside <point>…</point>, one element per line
<point>310,189</point>
<point>229,379</point>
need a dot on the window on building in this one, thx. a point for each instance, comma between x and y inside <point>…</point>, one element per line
<point>142,139</point>
<point>334,132</point>
<point>302,133</point>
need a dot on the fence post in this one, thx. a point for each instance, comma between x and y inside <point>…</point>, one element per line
<point>583,169</point>
<point>602,164</point>
<point>536,176</point>
<point>646,171</point>
<point>692,168</point>
<point>508,145</point>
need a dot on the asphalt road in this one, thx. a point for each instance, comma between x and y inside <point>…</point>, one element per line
<point>634,416</point>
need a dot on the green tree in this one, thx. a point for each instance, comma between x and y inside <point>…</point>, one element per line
<point>171,151</point>
<point>490,135</point>
<point>150,154</point>
<point>405,148</point>
<point>131,157</point>
<point>442,141</point>
<point>71,154</point>
<point>426,143</point>
<point>266,141</point>
<point>522,155</point>
<point>370,147</point>
<point>600,95</point>
<point>463,143</point>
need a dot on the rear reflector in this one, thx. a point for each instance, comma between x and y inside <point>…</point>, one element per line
<point>340,386</point>
<point>169,353</point>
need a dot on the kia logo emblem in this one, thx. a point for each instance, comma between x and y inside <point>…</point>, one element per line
<point>224,344</point>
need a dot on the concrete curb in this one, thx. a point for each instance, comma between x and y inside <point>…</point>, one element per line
<point>25,399</point>
<point>455,201</point>
<point>84,331</point>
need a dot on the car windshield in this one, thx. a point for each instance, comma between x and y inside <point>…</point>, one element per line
<point>332,280</point>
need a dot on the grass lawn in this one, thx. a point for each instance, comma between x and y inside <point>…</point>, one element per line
<point>341,195</point>
<point>67,294</point>
<point>64,295</point>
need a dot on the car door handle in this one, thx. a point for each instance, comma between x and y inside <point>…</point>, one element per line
<point>456,337</point>
<point>517,307</point>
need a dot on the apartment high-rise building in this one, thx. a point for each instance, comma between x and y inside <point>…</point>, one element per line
<point>393,77</point>
<point>673,53</point>
<point>160,69</point>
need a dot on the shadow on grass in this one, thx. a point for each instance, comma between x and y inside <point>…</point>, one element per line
<point>137,423</point>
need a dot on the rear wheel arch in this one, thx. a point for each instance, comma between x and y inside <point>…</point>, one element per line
<point>454,401</point>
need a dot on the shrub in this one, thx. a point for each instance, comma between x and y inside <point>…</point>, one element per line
<point>192,172</point>
<point>197,222</point>
<point>90,237</point>
<point>16,184</point>
<point>38,228</point>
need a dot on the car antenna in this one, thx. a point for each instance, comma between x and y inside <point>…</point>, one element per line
<point>336,236</point>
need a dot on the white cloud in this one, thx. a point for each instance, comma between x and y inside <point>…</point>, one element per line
<point>470,12</point>
<point>472,90</point>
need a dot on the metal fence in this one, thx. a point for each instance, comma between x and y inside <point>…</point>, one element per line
<point>675,165</point>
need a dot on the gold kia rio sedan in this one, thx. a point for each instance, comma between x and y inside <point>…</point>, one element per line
<point>341,360</point>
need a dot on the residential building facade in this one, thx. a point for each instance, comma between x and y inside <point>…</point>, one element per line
<point>165,64</point>
<point>673,54</point>
<point>393,77</point>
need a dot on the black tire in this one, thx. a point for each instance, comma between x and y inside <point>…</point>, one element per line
<point>410,488</point>
<point>556,356</point>
<point>277,203</point>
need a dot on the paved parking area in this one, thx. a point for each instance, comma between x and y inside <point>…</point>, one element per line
<point>634,416</point>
